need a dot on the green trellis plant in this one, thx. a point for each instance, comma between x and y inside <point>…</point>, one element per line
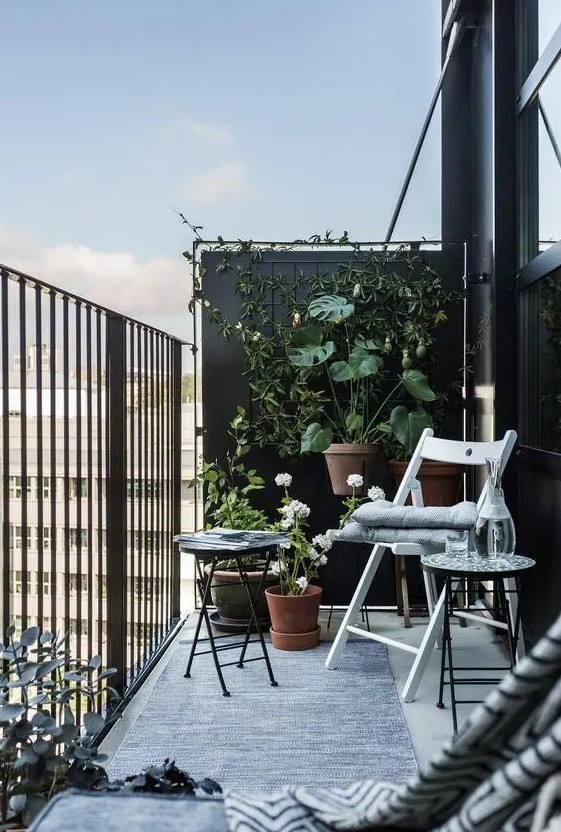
<point>350,358</point>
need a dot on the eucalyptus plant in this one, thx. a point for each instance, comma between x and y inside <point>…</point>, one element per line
<point>41,688</point>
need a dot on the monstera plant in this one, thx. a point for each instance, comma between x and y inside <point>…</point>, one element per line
<point>331,350</point>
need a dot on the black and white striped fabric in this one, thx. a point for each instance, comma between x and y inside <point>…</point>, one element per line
<point>486,779</point>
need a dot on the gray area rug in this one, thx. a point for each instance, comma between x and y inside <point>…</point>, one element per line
<point>318,726</point>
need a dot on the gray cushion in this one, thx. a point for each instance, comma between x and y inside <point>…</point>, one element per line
<point>116,812</point>
<point>382,513</point>
<point>434,540</point>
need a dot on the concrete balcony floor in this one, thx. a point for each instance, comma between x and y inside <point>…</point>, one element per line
<point>428,726</point>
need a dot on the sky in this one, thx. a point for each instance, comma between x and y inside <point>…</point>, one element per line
<point>271,119</point>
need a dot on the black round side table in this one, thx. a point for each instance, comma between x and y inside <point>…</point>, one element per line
<point>455,568</point>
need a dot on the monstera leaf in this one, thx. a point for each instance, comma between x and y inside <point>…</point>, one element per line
<point>362,363</point>
<point>315,438</point>
<point>307,349</point>
<point>408,425</point>
<point>417,385</point>
<point>331,308</point>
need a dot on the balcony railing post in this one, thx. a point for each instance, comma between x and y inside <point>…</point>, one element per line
<point>176,468</point>
<point>116,501</point>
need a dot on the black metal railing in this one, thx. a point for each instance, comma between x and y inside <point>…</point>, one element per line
<point>91,474</point>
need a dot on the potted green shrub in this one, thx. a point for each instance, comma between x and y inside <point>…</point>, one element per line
<point>228,505</point>
<point>353,365</point>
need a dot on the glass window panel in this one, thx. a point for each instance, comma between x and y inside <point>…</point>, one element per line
<point>549,164</point>
<point>543,361</point>
<point>549,19</point>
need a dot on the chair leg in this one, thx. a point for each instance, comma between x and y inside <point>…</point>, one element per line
<point>432,633</point>
<point>432,599</point>
<point>511,594</point>
<point>404,591</point>
<point>398,587</point>
<point>353,610</point>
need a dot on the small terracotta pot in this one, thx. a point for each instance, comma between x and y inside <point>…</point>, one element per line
<point>345,459</point>
<point>294,619</point>
<point>441,481</point>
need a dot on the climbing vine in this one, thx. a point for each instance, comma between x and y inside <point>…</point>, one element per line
<point>399,303</point>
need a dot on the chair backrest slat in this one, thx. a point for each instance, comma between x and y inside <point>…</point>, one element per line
<point>464,453</point>
<point>452,451</point>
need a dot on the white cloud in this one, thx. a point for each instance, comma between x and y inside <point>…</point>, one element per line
<point>116,279</point>
<point>215,135</point>
<point>230,180</point>
<point>209,134</point>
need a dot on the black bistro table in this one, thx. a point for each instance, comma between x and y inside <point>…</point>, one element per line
<point>456,569</point>
<point>210,547</point>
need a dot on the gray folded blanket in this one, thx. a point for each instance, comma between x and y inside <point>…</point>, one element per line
<point>386,515</point>
<point>429,538</point>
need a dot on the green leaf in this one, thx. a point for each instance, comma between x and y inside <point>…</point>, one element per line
<point>306,336</point>
<point>316,439</point>
<point>310,355</point>
<point>407,426</point>
<point>9,712</point>
<point>361,364</point>
<point>93,723</point>
<point>353,422</point>
<point>331,308</point>
<point>30,636</point>
<point>417,385</point>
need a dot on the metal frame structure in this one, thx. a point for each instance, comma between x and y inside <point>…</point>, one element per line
<point>91,474</point>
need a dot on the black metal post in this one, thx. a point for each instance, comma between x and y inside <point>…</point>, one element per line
<point>116,501</point>
<point>176,476</point>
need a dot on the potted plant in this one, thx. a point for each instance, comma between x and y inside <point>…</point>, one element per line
<point>353,366</point>
<point>228,505</point>
<point>294,603</point>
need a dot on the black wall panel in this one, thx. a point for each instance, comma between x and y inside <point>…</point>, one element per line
<point>224,387</point>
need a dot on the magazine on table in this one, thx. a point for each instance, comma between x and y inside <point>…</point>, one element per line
<point>231,539</point>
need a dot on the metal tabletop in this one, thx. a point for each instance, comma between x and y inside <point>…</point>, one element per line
<point>472,565</point>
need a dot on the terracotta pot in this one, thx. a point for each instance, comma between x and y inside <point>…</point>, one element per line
<point>294,619</point>
<point>441,481</point>
<point>230,597</point>
<point>345,459</point>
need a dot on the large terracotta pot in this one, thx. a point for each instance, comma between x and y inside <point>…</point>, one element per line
<point>230,597</point>
<point>345,459</point>
<point>441,481</point>
<point>294,619</point>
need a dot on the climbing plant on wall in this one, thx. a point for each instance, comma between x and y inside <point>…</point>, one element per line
<point>398,304</point>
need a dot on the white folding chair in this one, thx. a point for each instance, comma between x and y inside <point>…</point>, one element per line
<point>440,450</point>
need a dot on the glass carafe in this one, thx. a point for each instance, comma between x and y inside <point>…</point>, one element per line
<point>494,532</point>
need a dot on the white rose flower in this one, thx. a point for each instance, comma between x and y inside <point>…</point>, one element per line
<point>322,560</point>
<point>376,493</point>
<point>323,541</point>
<point>302,582</point>
<point>355,481</point>
<point>313,553</point>
<point>283,479</point>
<point>275,567</point>
<point>286,522</point>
